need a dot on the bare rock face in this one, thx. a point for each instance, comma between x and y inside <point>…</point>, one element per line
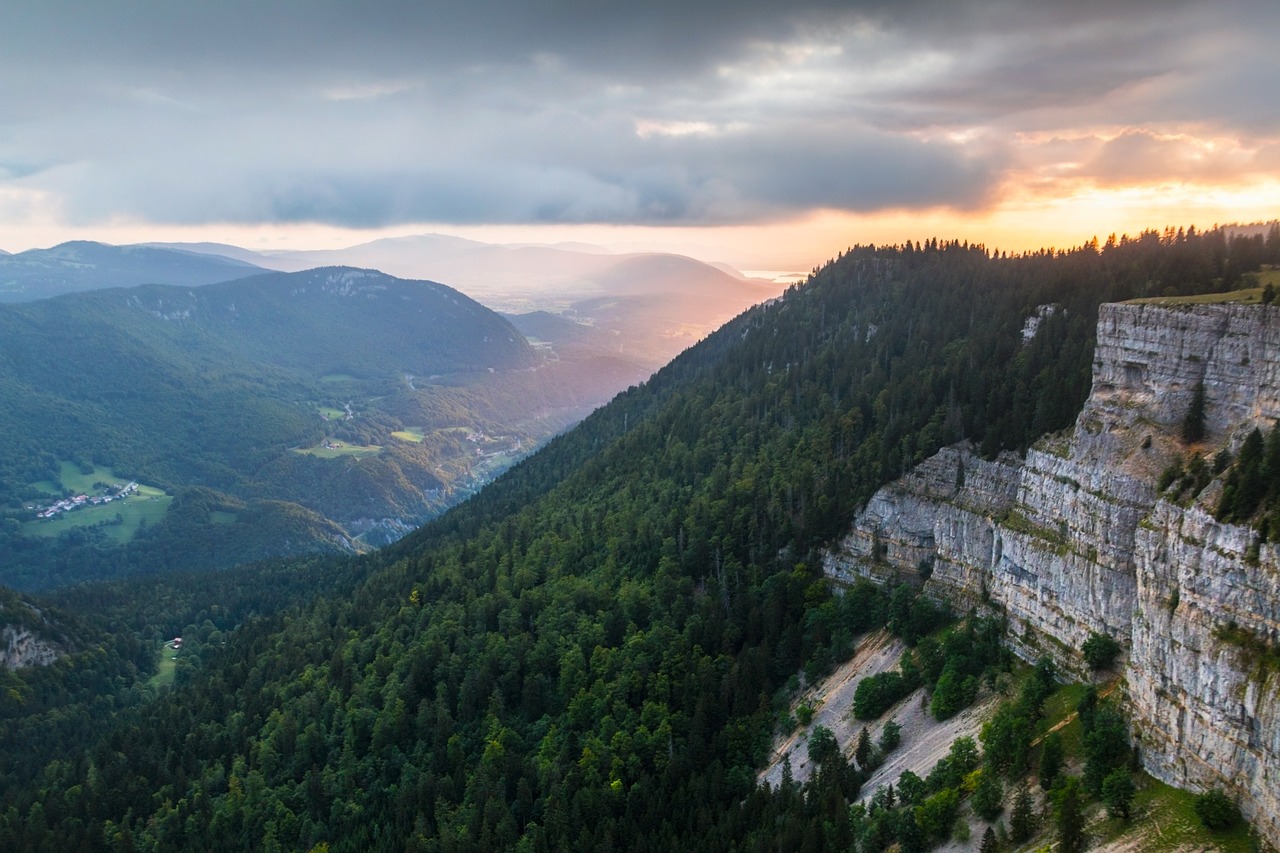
<point>1203,675</point>
<point>1152,357</point>
<point>930,521</point>
<point>1074,539</point>
<point>27,635</point>
<point>19,647</point>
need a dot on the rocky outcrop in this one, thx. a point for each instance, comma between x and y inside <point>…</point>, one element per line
<point>19,648</point>
<point>1074,539</point>
<point>28,636</point>
<point>1150,358</point>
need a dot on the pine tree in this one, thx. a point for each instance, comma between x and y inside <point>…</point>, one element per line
<point>1050,760</point>
<point>1070,816</point>
<point>1193,427</point>
<point>862,753</point>
<point>989,844</point>
<point>1022,823</point>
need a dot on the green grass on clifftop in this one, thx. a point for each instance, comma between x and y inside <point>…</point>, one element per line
<point>1248,296</point>
<point>1244,296</point>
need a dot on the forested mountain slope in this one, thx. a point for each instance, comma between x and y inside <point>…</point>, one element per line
<point>273,415</point>
<point>586,655</point>
<point>645,307</point>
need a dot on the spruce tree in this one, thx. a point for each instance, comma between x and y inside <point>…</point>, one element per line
<point>988,797</point>
<point>1050,760</point>
<point>1193,427</point>
<point>890,736</point>
<point>1070,816</point>
<point>1022,823</point>
<point>1100,650</point>
<point>1216,810</point>
<point>989,844</point>
<point>862,753</point>
<point>1249,478</point>
<point>823,746</point>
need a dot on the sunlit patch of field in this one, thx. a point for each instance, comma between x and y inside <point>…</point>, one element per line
<point>359,451</point>
<point>120,519</point>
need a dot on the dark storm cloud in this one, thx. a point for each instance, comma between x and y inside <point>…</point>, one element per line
<point>580,111</point>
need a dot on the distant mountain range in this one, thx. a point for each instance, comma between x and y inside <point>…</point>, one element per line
<point>651,305</point>
<point>81,265</point>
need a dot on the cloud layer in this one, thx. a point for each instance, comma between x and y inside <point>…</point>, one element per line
<point>578,111</point>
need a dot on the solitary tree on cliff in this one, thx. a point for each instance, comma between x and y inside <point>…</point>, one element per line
<point>1193,428</point>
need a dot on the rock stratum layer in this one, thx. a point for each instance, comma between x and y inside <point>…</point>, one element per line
<point>1074,539</point>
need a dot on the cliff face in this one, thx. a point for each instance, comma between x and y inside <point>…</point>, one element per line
<point>1074,539</point>
<point>27,635</point>
<point>1151,357</point>
<point>19,647</point>
<point>1204,694</point>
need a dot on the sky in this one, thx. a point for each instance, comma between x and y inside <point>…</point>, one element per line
<point>766,134</point>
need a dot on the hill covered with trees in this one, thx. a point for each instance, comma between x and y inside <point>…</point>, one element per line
<point>272,415</point>
<point>82,265</point>
<point>594,651</point>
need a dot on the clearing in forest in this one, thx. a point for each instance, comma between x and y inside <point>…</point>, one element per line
<point>168,666</point>
<point>118,519</point>
<point>335,449</point>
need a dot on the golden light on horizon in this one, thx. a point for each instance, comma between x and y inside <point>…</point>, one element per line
<point>1032,210</point>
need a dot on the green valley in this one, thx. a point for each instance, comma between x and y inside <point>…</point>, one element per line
<point>253,412</point>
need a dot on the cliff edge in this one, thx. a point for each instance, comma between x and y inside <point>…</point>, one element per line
<point>1076,539</point>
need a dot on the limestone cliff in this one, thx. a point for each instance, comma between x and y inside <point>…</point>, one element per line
<point>1075,539</point>
<point>27,636</point>
<point>19,648</point>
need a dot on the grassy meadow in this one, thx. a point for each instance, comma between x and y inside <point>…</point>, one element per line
<point>120,519</point>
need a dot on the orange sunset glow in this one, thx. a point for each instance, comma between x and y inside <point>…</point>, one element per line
<point>772,141</point>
